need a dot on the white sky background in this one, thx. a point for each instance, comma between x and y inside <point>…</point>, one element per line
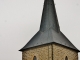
<point>20,20</point>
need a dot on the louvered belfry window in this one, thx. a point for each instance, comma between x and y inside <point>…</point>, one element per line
<point>66,58</point>
<point>34,58</point>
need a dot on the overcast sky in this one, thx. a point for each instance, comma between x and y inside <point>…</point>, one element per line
<point>20,20</point>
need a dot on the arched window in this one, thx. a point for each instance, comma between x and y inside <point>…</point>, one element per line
<point>34,58</point>
<point>66,58</point>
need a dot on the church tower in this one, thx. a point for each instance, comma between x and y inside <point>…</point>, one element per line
<point>49,43</point>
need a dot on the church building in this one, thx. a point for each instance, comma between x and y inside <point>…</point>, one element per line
<point>49,43</point>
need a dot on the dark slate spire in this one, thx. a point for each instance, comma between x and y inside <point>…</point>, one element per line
<point>49,30</point>
<point>49,17</point>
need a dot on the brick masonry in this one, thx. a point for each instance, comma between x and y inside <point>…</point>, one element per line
<point>45,53</point>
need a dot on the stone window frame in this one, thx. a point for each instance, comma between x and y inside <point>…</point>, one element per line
<point>34,58</point>
<point>66,58</point>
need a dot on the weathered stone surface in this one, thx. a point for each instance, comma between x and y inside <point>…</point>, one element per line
<point>41,52</point>
<point>60,52</point>
<point>45,53</point>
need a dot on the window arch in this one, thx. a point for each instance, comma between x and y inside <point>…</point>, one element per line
<point>66,58</point>
<point>34,58</point>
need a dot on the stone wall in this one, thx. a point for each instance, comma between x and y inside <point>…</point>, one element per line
<point>60,52</point>
<point>45,53</point>
<point>41,52</point>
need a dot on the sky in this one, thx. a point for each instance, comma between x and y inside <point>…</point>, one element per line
<point>20,20</point>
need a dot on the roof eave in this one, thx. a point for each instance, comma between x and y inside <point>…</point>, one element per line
<point>50,43</point>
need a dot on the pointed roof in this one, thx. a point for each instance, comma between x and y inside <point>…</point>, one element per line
<point>49,17</point>
<point>49,29</point>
